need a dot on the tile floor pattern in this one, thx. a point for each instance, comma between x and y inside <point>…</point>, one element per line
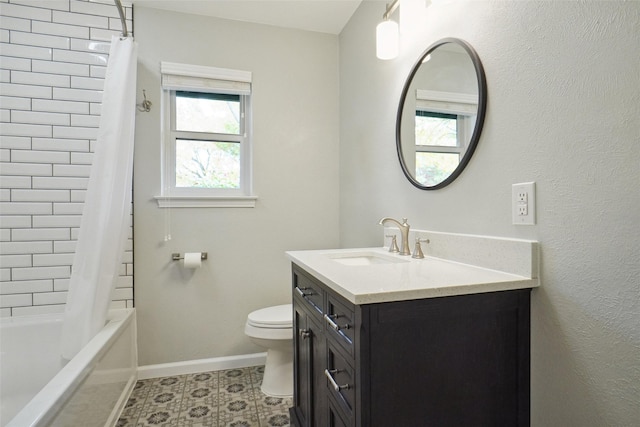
<point>230,398</point>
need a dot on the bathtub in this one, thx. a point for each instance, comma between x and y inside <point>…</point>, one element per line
<point>38,389</point>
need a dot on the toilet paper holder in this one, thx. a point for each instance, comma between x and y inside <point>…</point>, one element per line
<point>178,257</point>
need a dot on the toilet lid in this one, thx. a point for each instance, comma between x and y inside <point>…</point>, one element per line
<point>279,316</point>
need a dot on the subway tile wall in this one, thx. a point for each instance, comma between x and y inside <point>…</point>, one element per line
<point>53,56</point>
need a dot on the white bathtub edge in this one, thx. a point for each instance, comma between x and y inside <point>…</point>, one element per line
<point>122,401</point>
<point>131,384</point>
<point>45,405</point>
<point>200,365</point>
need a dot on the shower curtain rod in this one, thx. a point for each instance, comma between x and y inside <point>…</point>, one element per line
<point>125,33</point>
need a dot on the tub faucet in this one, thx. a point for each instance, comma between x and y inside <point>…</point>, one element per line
<point>404,231</point>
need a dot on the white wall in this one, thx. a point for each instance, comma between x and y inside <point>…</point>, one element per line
<point>564,111</point>
<point>53,58</point>
<point>191,315</point>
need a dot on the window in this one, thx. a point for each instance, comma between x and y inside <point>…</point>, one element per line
<point>207,129</point>
<point>444,122</point>
<point>438,147</point>
<point>207,144</point>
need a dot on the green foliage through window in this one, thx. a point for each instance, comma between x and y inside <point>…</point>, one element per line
<point>207,164</point>
<point>437,146</point>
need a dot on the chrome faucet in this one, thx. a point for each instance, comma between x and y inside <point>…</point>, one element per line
<point>404,231</point>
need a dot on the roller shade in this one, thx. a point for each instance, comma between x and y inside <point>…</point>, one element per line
<point>447,102</point>
<point>204,79</point>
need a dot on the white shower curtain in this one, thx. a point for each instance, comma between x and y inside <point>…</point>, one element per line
<point>107,207</point>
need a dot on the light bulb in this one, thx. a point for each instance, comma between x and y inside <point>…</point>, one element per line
<point>387,39</point>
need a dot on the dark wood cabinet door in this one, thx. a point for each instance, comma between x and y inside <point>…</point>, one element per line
<point>453,361</point>
<point>301,363</point>
<point>309,398</point>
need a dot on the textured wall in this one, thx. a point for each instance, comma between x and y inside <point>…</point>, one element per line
<point>53,57</point>
<point>564,111</point>
<point>185,315</point>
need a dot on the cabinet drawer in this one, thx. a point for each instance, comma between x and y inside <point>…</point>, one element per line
<point>309,291</point>
<point>340,380</point>
<point>340,324</point>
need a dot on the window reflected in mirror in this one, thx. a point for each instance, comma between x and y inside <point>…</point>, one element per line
<point>437,146</point>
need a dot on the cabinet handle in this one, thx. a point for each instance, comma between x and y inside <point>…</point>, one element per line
<point>334,325</point>
<point>300,291</point>
<point>304,333</point>
<point>334,384</point>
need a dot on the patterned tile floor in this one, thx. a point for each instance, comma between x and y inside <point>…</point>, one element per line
<point>230,398</point>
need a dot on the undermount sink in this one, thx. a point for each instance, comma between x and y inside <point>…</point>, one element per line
<point>364,258</point>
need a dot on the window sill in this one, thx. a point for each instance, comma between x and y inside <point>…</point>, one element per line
<point>206,201</point>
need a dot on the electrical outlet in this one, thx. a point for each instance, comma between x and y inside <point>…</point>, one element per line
<point>522,196</point>
<point>523,207</point>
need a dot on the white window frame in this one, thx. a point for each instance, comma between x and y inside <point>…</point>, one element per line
<point>194,78</point>
<point>463,105</point>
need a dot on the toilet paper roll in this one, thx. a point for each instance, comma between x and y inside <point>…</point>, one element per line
<point>192,260</point>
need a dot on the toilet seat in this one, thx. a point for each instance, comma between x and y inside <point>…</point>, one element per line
<point>276,317</point>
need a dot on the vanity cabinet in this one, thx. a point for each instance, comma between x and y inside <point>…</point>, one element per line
<point>445,361</point>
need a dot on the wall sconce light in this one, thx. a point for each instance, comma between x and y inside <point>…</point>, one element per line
<point>387,34</point>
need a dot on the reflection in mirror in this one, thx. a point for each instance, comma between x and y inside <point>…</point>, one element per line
<point>440,114</point>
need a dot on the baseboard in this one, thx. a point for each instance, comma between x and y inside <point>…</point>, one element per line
<point>200,365</point>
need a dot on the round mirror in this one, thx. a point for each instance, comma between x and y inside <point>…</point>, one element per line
<point>441,113</point>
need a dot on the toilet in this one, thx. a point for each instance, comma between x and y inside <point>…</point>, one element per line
<point>272,328</point>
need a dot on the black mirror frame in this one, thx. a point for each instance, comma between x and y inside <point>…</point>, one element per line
<point>482,109</point>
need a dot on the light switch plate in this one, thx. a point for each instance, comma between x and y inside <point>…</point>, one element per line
<point>523,203</point>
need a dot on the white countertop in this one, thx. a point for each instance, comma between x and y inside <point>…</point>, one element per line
<point>408,279</point>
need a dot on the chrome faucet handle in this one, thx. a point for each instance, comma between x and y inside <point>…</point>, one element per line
<point>393,247</point>
<point>417,252</point>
